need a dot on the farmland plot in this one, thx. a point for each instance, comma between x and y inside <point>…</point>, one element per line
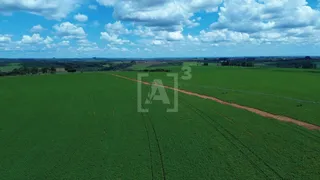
<point>86,126</point>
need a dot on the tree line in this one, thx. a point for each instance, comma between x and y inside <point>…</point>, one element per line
<point>306,63</point>
<point>29,71</point>
<point>237,63</point>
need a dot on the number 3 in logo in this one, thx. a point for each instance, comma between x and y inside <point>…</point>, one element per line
<point>187,73</point>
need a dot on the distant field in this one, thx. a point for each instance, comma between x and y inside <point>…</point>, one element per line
<point>10,67</point>
<point>86,126</point>
<point>139,66</point>
<point>197,64</point>
<point>191,64</point>
<point>292,93</point>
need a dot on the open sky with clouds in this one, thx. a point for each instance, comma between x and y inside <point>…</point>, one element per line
<point>159,28</point>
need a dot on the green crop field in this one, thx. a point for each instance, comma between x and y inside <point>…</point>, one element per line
<point>139,66</point>
<point>86,126</point>
<point>10,67</point>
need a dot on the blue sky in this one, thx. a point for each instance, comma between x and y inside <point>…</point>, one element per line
<point>159,28</point>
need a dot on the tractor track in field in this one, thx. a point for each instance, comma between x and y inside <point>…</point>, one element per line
<point>232,139</point>
<point>158,145</point>
<point>159,148</point>
<point>308,134</point>
<point>149,144</point>
<point>250,109</point>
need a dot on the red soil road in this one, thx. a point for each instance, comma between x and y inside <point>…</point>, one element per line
<point>250,109</point>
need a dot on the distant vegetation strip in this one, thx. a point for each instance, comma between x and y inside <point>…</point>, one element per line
<point>14,67</point>
<point>250,109</point>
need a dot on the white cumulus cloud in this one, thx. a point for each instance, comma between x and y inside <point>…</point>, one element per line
<point>48,40</point>
<point>112,38</point>
<point>116,28</point>
<point>164,14</point>
<point>69,31</point>
<point>265,21</point>
<point>191,38</point>
<point>5,38</point>
<point>52,9</point>
<point>254,16</point>
<point>36,29</point>
<point>223,36</point>
<point>175,36</point>
<point>64,43</point>
<point>107,2</point>
<point>157,42</point>
<point>80,17</point>
<point>35,39</point>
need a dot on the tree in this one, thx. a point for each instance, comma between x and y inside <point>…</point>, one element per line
<point>307,65</point>
<point>53,70</point>
<point>225,63</point>
<point>70,69</point>
<point>307,58</point>
<point>34,70</point>
<point>250,64</point>
<point>25,70</point>
<point>21,71</point>
<point>205,64</point>
<point>44,70</point>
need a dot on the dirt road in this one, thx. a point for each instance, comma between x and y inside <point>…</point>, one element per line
<point>250,109</point>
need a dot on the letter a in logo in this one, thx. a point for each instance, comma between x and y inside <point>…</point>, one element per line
<point>157,86</point>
